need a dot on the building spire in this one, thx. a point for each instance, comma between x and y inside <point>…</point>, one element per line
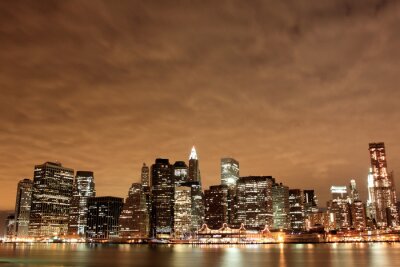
<point>193,154</point>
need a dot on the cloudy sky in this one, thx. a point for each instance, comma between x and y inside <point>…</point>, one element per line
<point>292,89</point>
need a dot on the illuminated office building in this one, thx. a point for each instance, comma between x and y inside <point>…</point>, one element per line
<point>254,202</point>
<point>383,192</point>
<point>216,206</point>
<point>358,215</point>
<point>82,190</point>
<point>229,171</point>
<point>182,211</point>
<point>51,198</point>
<point>134,218</point>
<point>280,204</point>
<point>162,191</point>
<point>296,210</point>
<point>103,217</point>
<point>197,198</point>
<point>340,207</point>
<point>23,207</point>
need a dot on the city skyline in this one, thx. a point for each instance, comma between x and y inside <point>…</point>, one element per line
<point>291,90</point>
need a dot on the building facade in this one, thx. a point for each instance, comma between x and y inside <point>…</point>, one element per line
<point>51,199</point>
<point>23,208</point>
<point>162,192</point>
<point>216,206</point>
<point>103,217</point>
<point>229,172</point>
<point>280,201</point>
<point>296,210</point>
<point>84,187</point>
<point>134,219</point>
<point>383,192</point>
<point>182,212</point>
<point>254,202</point>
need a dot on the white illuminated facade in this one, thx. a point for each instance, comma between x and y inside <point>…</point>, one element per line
<point>229,171</point>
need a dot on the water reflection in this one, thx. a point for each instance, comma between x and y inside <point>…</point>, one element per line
<point>283,255</point>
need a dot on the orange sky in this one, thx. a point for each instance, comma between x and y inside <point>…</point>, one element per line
<point>292,89</point>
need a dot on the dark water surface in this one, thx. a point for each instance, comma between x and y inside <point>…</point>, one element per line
<point>299,255</point>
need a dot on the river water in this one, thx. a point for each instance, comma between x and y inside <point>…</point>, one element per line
<point>299,255</point>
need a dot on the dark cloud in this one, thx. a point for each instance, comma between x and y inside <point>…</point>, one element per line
<point>293,89</point>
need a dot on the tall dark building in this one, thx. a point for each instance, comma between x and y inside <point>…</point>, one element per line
<point>162,191</point>
<point>134,219</point>
<point>51,198</point>
<point>23,207</point>
<point>383,191</point>
<point>194,170</point>
<point>103,217</point>
<point>229,171</point>
<point>296,210</point>
<point>84,188</point>
<point>280,197</point>
<point>254,202</point>
<point>216,206</point>
<point>354,195</point>
<point>180,173</point>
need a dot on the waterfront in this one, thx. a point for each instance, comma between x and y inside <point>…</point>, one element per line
<point>327,255</point>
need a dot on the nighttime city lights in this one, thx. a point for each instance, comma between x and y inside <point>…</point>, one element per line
<point>199,133</point>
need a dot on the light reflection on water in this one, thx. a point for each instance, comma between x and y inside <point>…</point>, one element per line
<point>284,255</point>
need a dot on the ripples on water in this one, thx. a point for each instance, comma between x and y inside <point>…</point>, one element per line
<point>299,255</point>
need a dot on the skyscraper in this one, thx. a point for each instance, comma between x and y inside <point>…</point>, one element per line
<point>134,218</point>
<point>254,202</point>
<point>216,206</point>
<point>280,204</point>
<point>162,191</point>
<point>383,191</point>
<point>182,211</point>
<point>103,217</point>
<point>145,176</point>
<point>358,217</point>
<point>340,206</point>
<point>354,195</point>
<point>296,210</point>
<point>23,207</point>
<point>194,170</point>
<point>51,198</point>
<point>84,187</point>
<point>229,171</point>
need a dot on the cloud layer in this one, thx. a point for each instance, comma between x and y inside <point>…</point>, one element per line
<point>293,89</point>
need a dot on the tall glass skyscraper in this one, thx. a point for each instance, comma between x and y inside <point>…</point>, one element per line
<point>182,211</point>
<point>84,187</point>
<point>51,199</point>
<point>23,207</point>
<point>229,171</point>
